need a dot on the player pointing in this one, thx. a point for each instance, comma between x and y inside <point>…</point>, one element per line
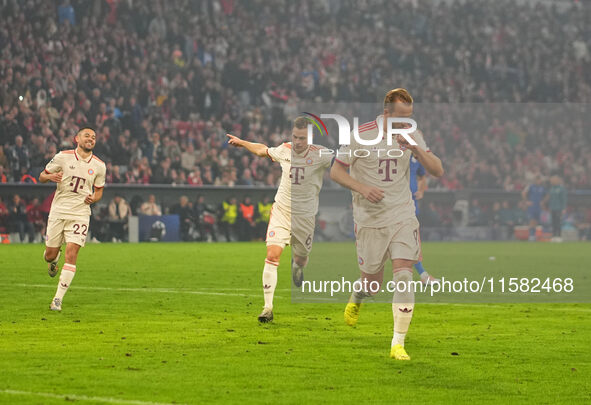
<point>385,223</point>
<point>296,203</point>
<point>80,178</point>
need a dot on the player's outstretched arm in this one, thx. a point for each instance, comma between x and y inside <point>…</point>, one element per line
<point>339,173</point>
<point>44,177</point>
<point>258,149</point>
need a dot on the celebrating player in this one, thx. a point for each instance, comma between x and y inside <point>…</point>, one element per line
<point>418,185</point>
<point>76,173</point>
<point>293,215</point>
<point>384,213</point>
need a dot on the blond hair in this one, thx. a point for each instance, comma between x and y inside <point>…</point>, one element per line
<point>399,95</point>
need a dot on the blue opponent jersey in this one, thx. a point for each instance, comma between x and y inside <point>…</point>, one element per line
<point>416,170</point>
<point>536,194</point>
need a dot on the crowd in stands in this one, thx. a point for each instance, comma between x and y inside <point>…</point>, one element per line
<point>162,82</point>
<point>246,219</point>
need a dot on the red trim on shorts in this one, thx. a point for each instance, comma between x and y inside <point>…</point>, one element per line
<point>273,263</point>
<point>341,162</point>
<point>99,186</point>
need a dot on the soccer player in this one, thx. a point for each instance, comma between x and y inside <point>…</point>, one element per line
<point>385,223</point>
<point>556,201</point>
<point>418,185</point>
<point>80,178</point>
<point>534,194</point>
<point>293,215</point>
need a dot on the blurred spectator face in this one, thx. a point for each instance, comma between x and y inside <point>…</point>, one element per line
<point>117,199</point>
<point>16,199</point>
<point>19,141</point>
<point>152,198</point>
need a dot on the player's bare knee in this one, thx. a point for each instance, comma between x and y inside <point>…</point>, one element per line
<point>51,254</point>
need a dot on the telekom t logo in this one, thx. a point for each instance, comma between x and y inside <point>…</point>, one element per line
<point>390,168</point>
<point>296,174</point>
<point>77,183</point>
<point>345,130</point>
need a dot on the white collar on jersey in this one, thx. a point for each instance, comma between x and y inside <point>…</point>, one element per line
<point>87,161</point>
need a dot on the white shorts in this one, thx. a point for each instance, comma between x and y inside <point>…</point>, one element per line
<point>397,241</point>
<point>285,229</point>
<point>302,235</point>
<point>68,230</point>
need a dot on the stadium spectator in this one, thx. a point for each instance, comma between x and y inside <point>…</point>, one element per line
<point>206,221</point>
<point>246,223</point>
<point>19,158</point>
<point>36,219</point>
<point>18,218</point>
<point>263,215</point>
<point>3,178</point>
<point>150,207</point>
<point>184,210</point>
<point>119,212</point>
<point>229,215</point>
<point>4,217</point>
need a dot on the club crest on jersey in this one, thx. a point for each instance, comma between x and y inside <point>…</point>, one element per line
<point>309,161</point>
<point>90,171</point>
<point>272,233</point>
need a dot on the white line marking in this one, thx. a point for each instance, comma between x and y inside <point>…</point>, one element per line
<point>82,398</point>
<point>146,290</point>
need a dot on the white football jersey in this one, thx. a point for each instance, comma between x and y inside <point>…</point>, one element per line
<point>79,176</point>
<point>301,177</point>
<point>382,166</point>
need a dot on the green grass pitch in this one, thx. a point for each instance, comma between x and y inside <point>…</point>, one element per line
<point>176,323</point>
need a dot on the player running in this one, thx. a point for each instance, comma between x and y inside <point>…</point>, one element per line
<point>293,215</point>
<point>418,186</point>
<point>385,223</point>
<point>76,173</point>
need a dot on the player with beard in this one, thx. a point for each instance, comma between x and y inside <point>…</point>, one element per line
<point>80,178</point>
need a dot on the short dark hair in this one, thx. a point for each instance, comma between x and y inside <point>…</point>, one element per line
<point>300,123</point>
<point>83,129</point>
